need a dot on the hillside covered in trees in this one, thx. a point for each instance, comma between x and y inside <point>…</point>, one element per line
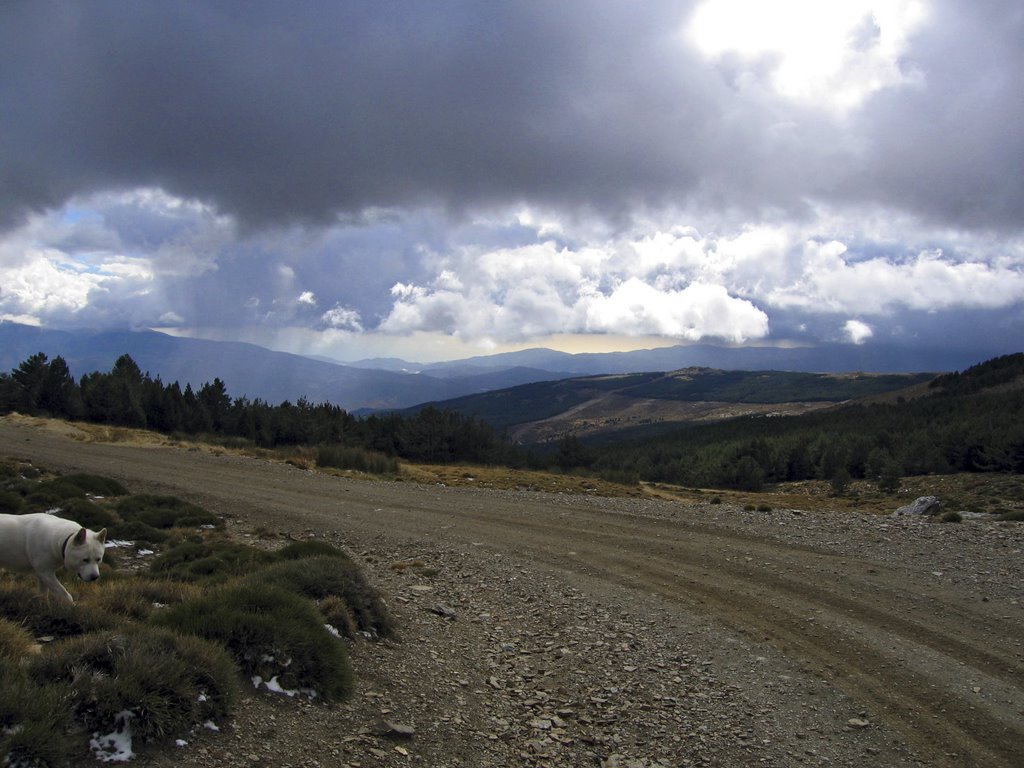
<point>967,422</point>
<point>971,421</point>
<point>127,397</point>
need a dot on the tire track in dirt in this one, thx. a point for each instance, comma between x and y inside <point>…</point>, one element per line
<point>941,724</point>
<point>948,726</point>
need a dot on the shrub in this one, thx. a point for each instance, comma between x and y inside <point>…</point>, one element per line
<point>165,512</point>
<point>138,532</point>
<point>15,641</point>
<point>167,682</point>
<point>50,617</point>
<point>1016,516</point>
<point>34,722</point>
<point>338,614</point>
<point>951,517</point>
<point>203,560</point>
<point>11,503</point>
<point>889,481</point>
<point>274,635</point>
<point>95,485</point>
<point>359,459</point>
<point>137,598</point>
<point>300,549</point>
<point>92,516</point>
<point>321,577</point>
<point>29,472</point>
<point>840,482</point>
<point>53,493</point>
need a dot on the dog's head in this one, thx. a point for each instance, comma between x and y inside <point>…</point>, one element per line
<point>83,553</point>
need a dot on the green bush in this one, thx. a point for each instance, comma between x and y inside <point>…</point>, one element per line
<point>1017,516</point>
<point>951,517</point>
<point>298,550</point>
<point>29,472</point>
<point>165,512</point>
<point>51,493</point>
<point>274,635</point>
<point>95,485</point>
<point>15,640</point>
<point>139,532</point>
<point>203,560</point>
<point>34,721</point>
<point>50,617</point>
<point>137,597</point>
<point>85,512</point>
<point>329,576</point>
<point>338,614</point>
<point>11,503</point>
<point>840,482</point>
<point>168,682</point>
<point>359,459</point>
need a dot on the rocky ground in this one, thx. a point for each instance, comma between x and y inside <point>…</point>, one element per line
<point>551,630</point>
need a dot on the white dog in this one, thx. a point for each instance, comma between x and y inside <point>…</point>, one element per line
<point>40,543</point>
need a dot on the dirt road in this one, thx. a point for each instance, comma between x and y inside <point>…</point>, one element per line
<point>833,639</point>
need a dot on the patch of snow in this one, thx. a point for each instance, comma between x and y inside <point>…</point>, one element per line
<point>144,552</point>
<point>274,686</point>
<point>116,746</point>
<point>332,630</point>
<point>210,726</point>
<point>180,743</point>
<point>53,511</point>
<point>118,543</point>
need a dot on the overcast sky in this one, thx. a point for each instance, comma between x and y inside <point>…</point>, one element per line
<point>439,179</point>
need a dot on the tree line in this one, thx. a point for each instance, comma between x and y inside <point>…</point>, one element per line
<point>971,421</point>
<point>127,397</point>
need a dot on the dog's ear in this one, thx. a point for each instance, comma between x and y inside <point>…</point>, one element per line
<point>102,536</point>
<point>80,537</point>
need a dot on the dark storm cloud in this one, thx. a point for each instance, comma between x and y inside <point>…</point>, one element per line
<point>299,110</point>
<point>952,149</point>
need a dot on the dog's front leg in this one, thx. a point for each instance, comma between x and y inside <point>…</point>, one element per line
<point>48,583</point>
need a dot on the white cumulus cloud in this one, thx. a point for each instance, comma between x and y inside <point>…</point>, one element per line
<point>857,332</point>
<point>341,318</point>
<point>630,288</point>
<point>696,312</point>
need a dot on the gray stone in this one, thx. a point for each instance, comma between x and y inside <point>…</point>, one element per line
<point>923,506</point>
<point>393,730</point>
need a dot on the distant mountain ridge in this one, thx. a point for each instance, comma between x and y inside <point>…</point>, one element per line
<point>826,358</point>
<point>252,371</point>
<point>390,383</point>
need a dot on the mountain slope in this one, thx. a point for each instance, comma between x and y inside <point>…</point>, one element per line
<point>591,405</point>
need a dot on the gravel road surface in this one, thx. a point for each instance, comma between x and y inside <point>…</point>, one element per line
<point>569,630</point>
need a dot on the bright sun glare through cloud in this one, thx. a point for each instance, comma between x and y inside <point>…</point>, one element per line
<point>825,54</point>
